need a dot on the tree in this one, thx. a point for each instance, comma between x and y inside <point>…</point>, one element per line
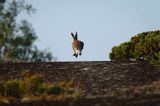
<point>143,46</point>
<point>17,38</point>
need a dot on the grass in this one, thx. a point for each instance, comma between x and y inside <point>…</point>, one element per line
<point>33,88</point>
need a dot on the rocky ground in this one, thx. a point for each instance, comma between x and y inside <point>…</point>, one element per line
<point>99,83</point>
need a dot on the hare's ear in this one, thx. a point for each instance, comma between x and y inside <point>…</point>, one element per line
<point>76,35</point>
<point>72,35</point>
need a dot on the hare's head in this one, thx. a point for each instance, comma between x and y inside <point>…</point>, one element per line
<point>75,36</point>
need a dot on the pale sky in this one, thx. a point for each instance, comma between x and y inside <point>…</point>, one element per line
<point>101,24</point>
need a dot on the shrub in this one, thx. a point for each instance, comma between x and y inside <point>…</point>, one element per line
<point>12,88</point>
<point>32,87</point>
<point>2,89</point>
<point>42,89</point>
<point>121,52</point>
<point>32,83</point>
<point>143,46</point>
<point>50,89</point>
<point>56,90</point>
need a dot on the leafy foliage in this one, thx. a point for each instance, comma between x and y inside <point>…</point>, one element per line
<point>144,46</point>
<point>33,87</point>
<point>121,52</point>
<point>50,89</point>
<point>32,83</point>
<point>2,89</point>
<point>17,38</point>
<point>12,88</point>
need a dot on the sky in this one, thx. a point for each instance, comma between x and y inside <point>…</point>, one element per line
<point>101,24</point>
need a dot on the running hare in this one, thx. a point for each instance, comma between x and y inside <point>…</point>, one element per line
<point>77,45</point>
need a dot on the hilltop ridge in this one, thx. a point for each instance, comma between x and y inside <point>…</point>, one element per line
<point>92,75</point>
<point>100,83</point>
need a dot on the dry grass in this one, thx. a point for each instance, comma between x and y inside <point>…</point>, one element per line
<point>33,88</point>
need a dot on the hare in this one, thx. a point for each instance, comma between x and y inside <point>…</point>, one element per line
<point>77,45</point>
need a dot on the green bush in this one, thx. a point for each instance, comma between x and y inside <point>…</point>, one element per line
<point>143,46</point>
<point>32,83</point>
<point>2,89</point>
<point>12,88</point>
<point>121,52</point>
<point>50,89</point>
<point>56,90</point>
<point>32,86</point>
<point>42,89</point>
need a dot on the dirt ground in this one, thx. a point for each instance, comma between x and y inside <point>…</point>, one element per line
<point>101,83</point>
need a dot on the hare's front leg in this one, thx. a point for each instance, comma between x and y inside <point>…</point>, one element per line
<point>74,54</point>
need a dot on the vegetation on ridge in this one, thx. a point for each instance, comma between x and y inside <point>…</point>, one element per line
<point>143,46</point>
<point>33,88</point>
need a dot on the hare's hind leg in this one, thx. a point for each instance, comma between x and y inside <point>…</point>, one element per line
<point>76,55</point>
<point>80,52</point>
